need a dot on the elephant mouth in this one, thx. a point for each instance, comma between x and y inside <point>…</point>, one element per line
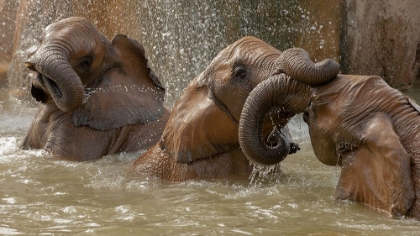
<point>305,117</point>
<point>51,86</point>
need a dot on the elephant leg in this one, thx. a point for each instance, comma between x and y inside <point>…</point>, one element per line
<point>377,172</point>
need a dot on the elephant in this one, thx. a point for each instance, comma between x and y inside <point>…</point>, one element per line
<point>357,122</point>
<point>200,139</point>
<point>97,97</point>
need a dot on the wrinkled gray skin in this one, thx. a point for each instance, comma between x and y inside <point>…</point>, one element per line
<point>98,97</point>
<point>357,122</point>
<point>280,93</point>
<point>200,139</point>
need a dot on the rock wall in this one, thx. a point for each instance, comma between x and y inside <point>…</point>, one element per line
<point>383,38</point>
<point>181,37</point>
<point>7,28</point>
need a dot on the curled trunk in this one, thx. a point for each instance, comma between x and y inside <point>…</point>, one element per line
<point>280,93</point>
<point>290,96</point>
<point>59,78</point>
<point>296,63</point>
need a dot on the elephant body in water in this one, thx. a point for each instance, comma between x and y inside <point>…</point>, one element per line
<point>200,139</point>
<point>360,123</point>
<point>97,97</point>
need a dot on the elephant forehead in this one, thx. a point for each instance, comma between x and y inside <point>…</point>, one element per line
<point>349,97</point>
<point>246,49</point>
<point>74,31</point>
<point>336,97</point>
<point>71,24</point>
<point>252,45</point>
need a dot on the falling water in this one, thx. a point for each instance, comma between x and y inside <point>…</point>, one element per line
<point>181,37</point>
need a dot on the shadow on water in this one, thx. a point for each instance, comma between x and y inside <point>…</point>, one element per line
<point>44,196</point>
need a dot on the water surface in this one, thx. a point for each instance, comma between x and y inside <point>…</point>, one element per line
<point>40,195</point>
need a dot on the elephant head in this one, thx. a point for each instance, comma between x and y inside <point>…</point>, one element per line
<point>287,92</point>
<point>107,84</point>
<point>356,122</point>
<point>204,121</point>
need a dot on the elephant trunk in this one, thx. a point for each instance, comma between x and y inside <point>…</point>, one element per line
<point>296,63</point>
<point>279,92</point>
<point>59,78</point>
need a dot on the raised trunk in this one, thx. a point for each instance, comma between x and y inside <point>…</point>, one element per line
<point>279,93</point>
<point>296,63</point>
<point>59,78</point>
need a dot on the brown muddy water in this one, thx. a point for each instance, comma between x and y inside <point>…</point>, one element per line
<point>40,195</point>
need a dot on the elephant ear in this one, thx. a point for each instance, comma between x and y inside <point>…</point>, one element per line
<point>127,93</point>
<point>197,128</point>
<point>378,173</point>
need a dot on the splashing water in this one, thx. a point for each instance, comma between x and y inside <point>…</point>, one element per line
<point>42,195</point>
<point>88,92</point>
<point>261,173</point>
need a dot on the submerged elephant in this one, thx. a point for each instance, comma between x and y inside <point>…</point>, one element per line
<point>357,122</point>
<point>200,139</point>
<point>97,97</point>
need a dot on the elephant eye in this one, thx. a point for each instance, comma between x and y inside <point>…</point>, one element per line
<point>84,64</point>
<point>240,72</point>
